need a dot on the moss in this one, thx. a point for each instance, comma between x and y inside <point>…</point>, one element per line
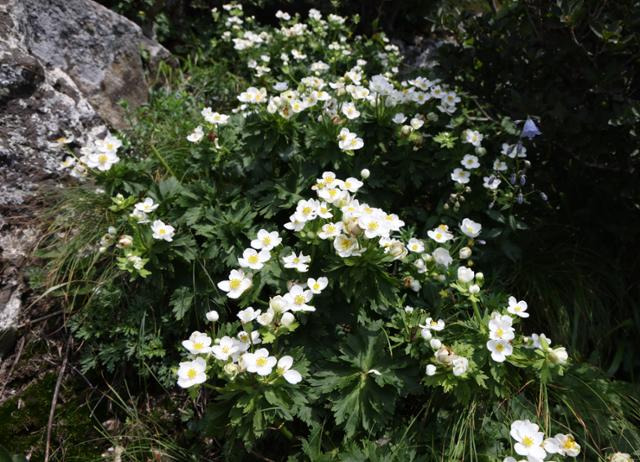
<point>24,418</point>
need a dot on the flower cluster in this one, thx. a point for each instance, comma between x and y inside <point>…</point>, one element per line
<point>532,444</point>
<point>97,154</point>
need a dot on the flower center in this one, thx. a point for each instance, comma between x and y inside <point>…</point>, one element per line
<point>261,362</point>
<point>198,346</point>
<point>253,259</point>
<point>192,373</point>
<point>234,283</point>
<point>299,300</point>
<point>527,441</point>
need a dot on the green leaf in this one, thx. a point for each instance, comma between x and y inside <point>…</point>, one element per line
<point>181,301</point>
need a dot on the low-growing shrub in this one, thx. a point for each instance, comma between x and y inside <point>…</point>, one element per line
<point>314,252</point>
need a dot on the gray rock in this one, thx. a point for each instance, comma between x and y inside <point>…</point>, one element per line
<point>64,66</point>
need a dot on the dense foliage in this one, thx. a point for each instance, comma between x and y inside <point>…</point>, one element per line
<point>308,251</point>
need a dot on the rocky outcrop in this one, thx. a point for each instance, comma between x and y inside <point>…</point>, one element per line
<point>64,67</point>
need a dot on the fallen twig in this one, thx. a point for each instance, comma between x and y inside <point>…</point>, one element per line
<point>21,343</point>
<point>54,400</point>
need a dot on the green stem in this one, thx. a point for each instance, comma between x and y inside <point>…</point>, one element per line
<point>163,162</point>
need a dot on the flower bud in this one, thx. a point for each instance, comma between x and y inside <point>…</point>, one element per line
<point>464,253</point>
<point>481,151</point>
<point>474,289</point>
<point>364,173</point>
<point>231,369</point>
<point>435,343</point>
<point>125,241</point>
<point>212,316</point>
<point>559,355</point>
<point>479,277</point>
<point>426,334</point>
<point>287,319</point>
<point>431,369</point>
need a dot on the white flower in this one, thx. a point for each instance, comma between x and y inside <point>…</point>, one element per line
<point>108,145</point>
<point>416,123</point>
<point>415,245</point>
<point>465,274</point>
<point>192,372</point>
<point>620,457</point>
<point>297,298</point>
<point>346,246</point>
<point>139,216</point>
<point>245,340</point>
<point>470,161</point>
<point>307,210</point>
<point>236,284</point>
<point>500,166</point>
<point>254,259</point>
<point>162,231</point>
<point>284,369</point>
<point>470,228</point>
<point>535,341</point>
<point>565,445</point>
<point>212,316</point>
<point>460,176</point>
<point>68,162</point>
<point>435,343</point>
<point>266,240</point>
<point>103,161</point>
<point>124,241</point>
<point>500,328</point>
<point>317,285</point>
<point>248,314</point>
<point>281,86</point>
<point>442,257</point>
<point>330,230</point>
<point>196,135</point>
<point>491,182</point>
<point>259,362</point>
<point>499,349</point>
<point>350,111</point>
<point>348,141</point>
<point>432,324</point>
<point>399,118</point>
<point>146,206</point>
<point>266,318</point>
<point>529,439</point>
<point>440,234</point>
<point>460,365</point>
<point>198,343</point>
<point>473,137</point>
<point>298,262</point>
<point>253,96</point>
<point>431,369</point>
<point>519,308</point>
<point>352,184</point>
<point>559,355</point>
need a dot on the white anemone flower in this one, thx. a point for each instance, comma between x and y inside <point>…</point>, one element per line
<point>470,228</point>
<point>330,230</point>
<point>248,314</point>
<point>297,299</point>
<point>198,343</point>
<point>162,231</point>
<point>317,285</point>
<point>259,362</point>
<point>298,262</point>
<point>565,445</point>
<point>224,349</point>
<point>266,240</point>
<point>192,373</point>
<point>460,176</point>
<point>253,259</point>
<point>237,283</point>
<point>284,369</point>
<point>499,349</point>
<point>415,245</point>
<point>470,162</point>
<point>440,234</point>
<point>350,111</point>
<point>196,135</point>
<point>146,206</point>
<point>519,308</point>
<point>442,257</point>
<point>528,439</point>
<point>500,328</point>
<point>465,275</point>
